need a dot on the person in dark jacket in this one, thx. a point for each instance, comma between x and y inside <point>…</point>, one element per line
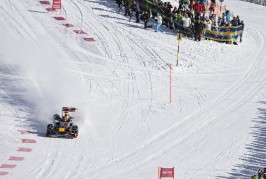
<point>145,17</point>
<point>119,3</point>
<point>198,30</point>
<point>127,6</point>
<point>234,22</point>
<point>137,12</point>
<point>132,9</point>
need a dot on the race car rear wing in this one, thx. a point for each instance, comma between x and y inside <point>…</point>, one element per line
<point>69,109</point>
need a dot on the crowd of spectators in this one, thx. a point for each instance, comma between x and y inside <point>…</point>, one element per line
<point>196,17</point>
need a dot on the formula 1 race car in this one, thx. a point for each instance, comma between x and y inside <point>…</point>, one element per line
<point>63,126</point>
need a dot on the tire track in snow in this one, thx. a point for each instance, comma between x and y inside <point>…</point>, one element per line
<point>148,81</point>
<point>47,166</point>
<point>107,25</point>
<point>125,60</point>
<point>8,3</point>
<point>193,118</point>
<point>98,33</point>
<point>133,76</point>
<point>148,54</point>
<point>16,23</point>
<point>230,91</point>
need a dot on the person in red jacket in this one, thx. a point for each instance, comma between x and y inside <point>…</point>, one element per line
<point>198,8</point>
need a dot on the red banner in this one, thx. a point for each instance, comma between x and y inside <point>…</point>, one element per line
<point>56,4</point>
<point>167,172</point>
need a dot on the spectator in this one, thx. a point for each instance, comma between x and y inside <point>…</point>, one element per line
<point>214,20</point>
<point>186,21</point>
<point>132,10</point>
<point>186,24</point>
<point>222,20</point>
<point>234,22</point>
<point>203,16</point>
<point>198,30</point>
<point>238,20</point>
<point>192,14</point>
<point>159,23</point>
<point>145,17</point>
<point>178,17</point>
<point>198,8</point>
<point>137,11</point>
<point>169,6</point>
<point>191,5</point>
<point>211,9</point>
<point>120,6</point>
<point>171,23</point>
<point>186,4</point>
<point>127,6</point>
<point>228,16</point>
<point>175,10</point>
<point>197,17</point>
<point>208,25</point>
<point>181,8</point>
<point>261,173</point>
<point>119,3</point>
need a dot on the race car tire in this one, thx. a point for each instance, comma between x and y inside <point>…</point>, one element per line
<point>48,132</point>
<point>75,128</point>
<point>56,117</point>
<point>50,126</point>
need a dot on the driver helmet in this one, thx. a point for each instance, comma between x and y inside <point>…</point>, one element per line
<point>66,116</point>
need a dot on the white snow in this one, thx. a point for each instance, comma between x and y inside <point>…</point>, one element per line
<point>214,127</point>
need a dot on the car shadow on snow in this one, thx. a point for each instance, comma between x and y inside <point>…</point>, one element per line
<point>256,155</point>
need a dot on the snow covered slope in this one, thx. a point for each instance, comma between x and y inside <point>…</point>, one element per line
<point>214,127</point>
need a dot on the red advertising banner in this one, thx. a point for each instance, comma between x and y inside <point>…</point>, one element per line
<point>56,4</point>
<point>166,172</point>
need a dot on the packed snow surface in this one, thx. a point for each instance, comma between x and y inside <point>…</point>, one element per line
<point>214,126</point>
